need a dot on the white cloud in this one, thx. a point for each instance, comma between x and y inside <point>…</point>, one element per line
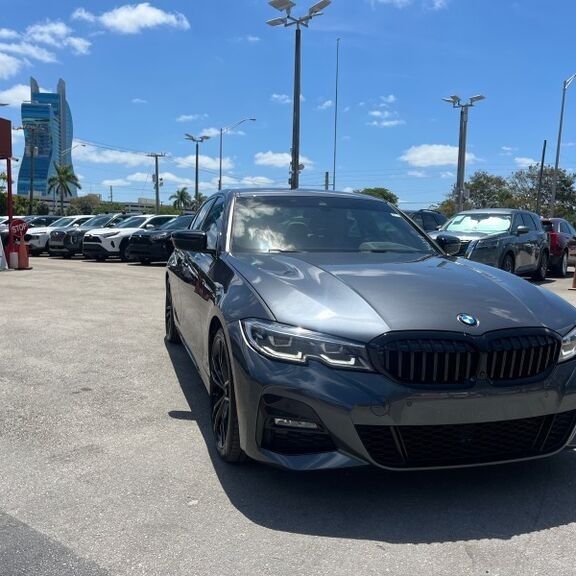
<point>95,155</point>
<point>447,174</point>
<point>27,50</point>
<point>348,189</point>
<point>325,105</point>
<point>115,182</point>
<point>206,162</point>
<point>387,100</point>
<point>427,155</point>
<point>380,113</point>
<point>507,150</point>
<point>436,4</point>
<point>523,162</point>
<point>210,132</point>
<point>139,101</point>
<point>6,34</point>
<point>51,33</point>
<point>134,18</point>
<point>279,159</point>
<point>250,39</point>
<point>190,117</point>
<point>281,98</point>
<point>16,95</point>
<point>9,66</point>
<point>417,174</point>
<point>79,46</point>
<point>386,123</point>
<point>256,181</point>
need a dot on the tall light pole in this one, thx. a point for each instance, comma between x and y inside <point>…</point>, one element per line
<point>289,20</point>
<point>197,140</point>
<point>457,103</point>
<point>222,132</point>
<point>565,85</point>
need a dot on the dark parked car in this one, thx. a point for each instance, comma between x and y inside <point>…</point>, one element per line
<point>330,331</point>
<point>512,240</point>
<point>32,221</point>
<point>68,242</point>
<point>562,240</point>
<point>427,219</point>
<point>156,245</point>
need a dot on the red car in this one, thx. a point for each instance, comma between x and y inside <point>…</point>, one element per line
<point>562,238</point>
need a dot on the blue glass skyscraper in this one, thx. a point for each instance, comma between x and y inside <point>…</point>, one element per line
<point>47,123</point>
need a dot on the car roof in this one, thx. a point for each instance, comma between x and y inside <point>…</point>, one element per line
<point>494,211</point>
<point>240,192</point>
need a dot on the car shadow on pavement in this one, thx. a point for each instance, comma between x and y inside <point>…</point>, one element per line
<point>396,507</point>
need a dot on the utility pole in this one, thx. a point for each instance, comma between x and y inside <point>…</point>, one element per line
<point>111,195</point>
<point>539,193</point>
<point>336,113</point>
<point>326,180</point>
<point>156,155</point>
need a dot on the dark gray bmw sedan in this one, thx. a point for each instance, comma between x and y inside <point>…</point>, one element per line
<point>330,331</point>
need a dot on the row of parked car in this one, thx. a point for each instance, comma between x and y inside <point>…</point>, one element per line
<point>141,237</point>
<point>517,241</point>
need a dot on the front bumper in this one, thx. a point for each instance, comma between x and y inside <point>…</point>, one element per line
<point>367,418</point>
<point>157,251</point>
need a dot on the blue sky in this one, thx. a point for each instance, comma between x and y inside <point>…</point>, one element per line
<point>139,76</point>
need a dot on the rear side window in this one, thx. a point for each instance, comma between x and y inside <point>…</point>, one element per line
<point>564,228</point>
<point>527,219</point>
<point>429,221</point>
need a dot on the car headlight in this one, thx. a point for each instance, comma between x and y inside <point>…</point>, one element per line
<point>568,348</point>
<point>158,237</point>
<point>109,234</point>
<point>292,344</point>
<point>487,244</point>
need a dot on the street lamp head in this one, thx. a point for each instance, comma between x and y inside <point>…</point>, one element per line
<point>477,98</point>
<point>454,100</point>
<point>282,5</point>
<point>318,7</point>
<point>277,22</point>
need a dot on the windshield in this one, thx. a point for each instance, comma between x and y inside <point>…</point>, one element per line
<point>61,223</point>
<point>180,222</point>
<point>322,224</point>
<point>478,222</point>
<point>97,221</point>
<point>133,222</point>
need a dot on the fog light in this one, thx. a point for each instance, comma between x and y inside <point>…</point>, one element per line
<point>289,423</point>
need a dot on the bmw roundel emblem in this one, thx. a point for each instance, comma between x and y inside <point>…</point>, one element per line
<point>468,320</point>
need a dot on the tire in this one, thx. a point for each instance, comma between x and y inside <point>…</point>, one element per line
<point>508,264</point>
<point>123,253</point>
<point>561,268</point>
<point>100,258</point>
<point>223,414</point>
<point>540,273</point>
<point>172,334</point>
<point>145,261</point>
<point>67,256</point>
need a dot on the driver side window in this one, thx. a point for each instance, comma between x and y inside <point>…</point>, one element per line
<point>213,223</point>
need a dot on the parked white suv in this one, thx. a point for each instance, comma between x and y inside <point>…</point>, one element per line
<point>103,243</point>
<point>39,238</point>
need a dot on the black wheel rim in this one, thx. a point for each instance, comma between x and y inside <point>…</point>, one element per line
<point>543,265</point>
<point>508,264</point>
<point>221,389</point>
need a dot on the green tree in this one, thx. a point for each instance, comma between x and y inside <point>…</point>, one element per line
<point>3,182</point>
<point>382,193</point>
<point>197,202</point>
<point>108,208</point>
<point>488,191</point>
<point>84,204</point>
<point>182,199</point>
<point>61,182</point>
<point>42,208</point>
<point>523,185</point>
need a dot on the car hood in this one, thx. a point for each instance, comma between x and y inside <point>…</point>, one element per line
<point>118,232</point>
<point>361,296</point>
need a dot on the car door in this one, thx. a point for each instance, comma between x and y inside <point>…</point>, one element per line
<point>183,276</point>
<point>199,293</point>
<point>520,244</point>
<point>570,234</point>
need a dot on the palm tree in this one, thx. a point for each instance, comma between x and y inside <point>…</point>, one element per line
<point>182,199</point>
<point>60,183</point>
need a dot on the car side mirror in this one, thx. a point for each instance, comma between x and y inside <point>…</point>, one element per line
<point>450,244</point>
<point>192,240</point>
<point>112,225</point>
<point>522,230</point>
<point>149,227</point>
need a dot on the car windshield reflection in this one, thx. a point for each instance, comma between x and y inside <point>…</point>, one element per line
<point>269,224</point>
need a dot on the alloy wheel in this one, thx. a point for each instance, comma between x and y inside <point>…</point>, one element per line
<point>221,391</point>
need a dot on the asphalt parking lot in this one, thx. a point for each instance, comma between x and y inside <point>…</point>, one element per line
<point>107,466</point>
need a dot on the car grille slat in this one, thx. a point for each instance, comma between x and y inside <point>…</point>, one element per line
<point>462,444</point>
<point>460,360</point>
